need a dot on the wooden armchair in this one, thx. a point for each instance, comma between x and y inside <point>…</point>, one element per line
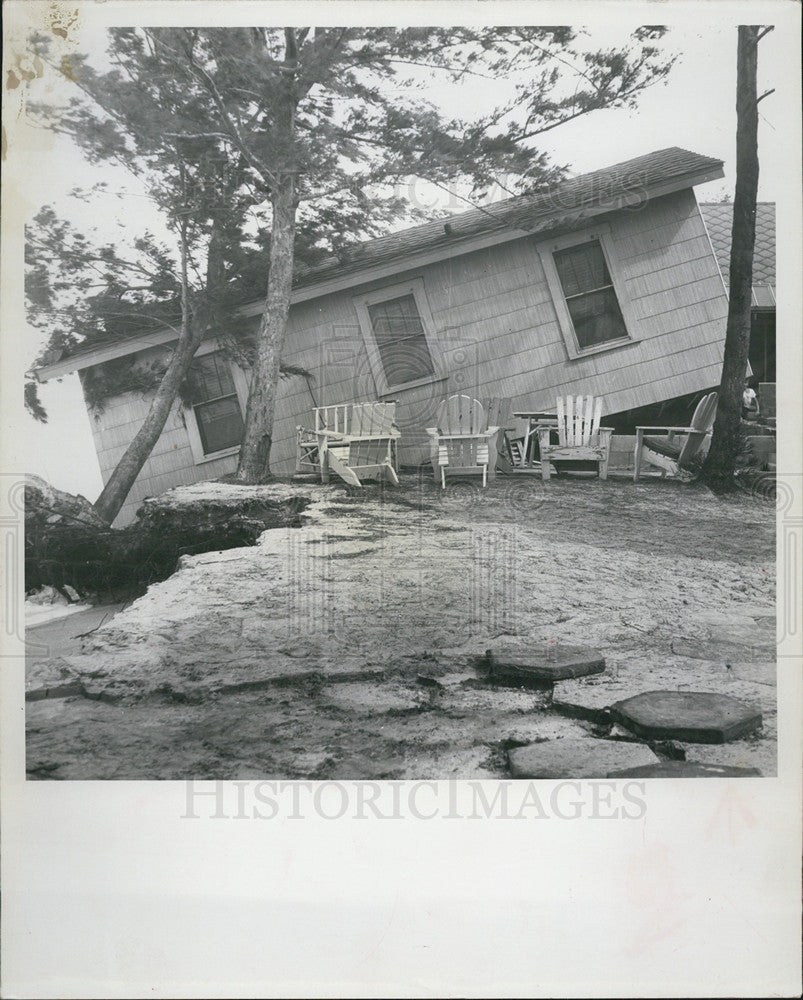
<point>354,440</point>
<point>580,437</point>
<point>462,444</point>
<point>675,449</point>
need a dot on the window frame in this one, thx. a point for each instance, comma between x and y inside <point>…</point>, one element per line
<point>191,421</point>
<point>601,235</point>
<point>414,287</point>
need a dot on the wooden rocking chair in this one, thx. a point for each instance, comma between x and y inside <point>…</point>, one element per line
<point>672,453</point>
<point>354,440</point>
<point>580,437</point>
<point>462,444</point>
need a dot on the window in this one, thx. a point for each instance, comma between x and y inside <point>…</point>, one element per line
<point>216,406</point>
<point>588,290</point>
<point>588,299</point>
<point>397,329</point>
<point>401,340</point>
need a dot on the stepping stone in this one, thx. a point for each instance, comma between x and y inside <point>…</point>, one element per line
<point>580,758</point>
<point>542,664</point>
<point>690,716</point>
<point>686,769</point>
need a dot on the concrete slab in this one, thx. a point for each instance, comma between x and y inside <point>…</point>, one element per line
<point>545,663</point>
<point>760,755</point>
<point>686,769</point>
<point>690,716</point>
<point>581,758</point>
<point>724,652</point>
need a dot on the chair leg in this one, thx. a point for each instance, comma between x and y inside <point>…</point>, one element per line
<point>546,468</point>
<point>443,477</point>
<point>484,476</point>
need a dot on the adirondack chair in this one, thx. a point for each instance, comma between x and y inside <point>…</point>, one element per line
<point>354,440</point>
<point>462,444</point>
<point>674,452</point>
<point>580,437</point>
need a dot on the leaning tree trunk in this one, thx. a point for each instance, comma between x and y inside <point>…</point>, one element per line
<point>114,494</point>
<point>254,464</point>
<point>719,467</point>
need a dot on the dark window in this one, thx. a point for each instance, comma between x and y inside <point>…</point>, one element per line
<point>401,340</point>
<point>217,410</point>
<point>589,294</point>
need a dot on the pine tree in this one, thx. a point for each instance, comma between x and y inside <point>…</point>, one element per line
<point>718,470</point>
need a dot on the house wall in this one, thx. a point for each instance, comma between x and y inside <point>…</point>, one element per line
<point>498,331</point>
<point>497,326</point>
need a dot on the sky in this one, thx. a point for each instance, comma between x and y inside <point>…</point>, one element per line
<point>693,109</point>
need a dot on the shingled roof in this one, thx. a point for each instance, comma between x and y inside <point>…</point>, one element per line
<point>565,206</point>
<point>719,220</point>
<point>562,206</point>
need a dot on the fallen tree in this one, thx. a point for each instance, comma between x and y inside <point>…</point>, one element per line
<point>68,545</point>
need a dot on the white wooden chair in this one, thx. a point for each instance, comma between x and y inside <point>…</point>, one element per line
<point>354,440</point>
<point>675,450</point>
<point>580,437</point>
<point>462,444</point>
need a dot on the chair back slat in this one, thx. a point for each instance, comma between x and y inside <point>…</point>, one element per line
<point>703,418</point>
<point>561,421</point>
<point>356,419</point>
<point>596,421</point>
<point>701,423</point>
<point>461,415</point>
<point>578,420</point>
<point>570,420</point>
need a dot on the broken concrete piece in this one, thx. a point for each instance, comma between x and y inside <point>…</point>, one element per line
<point>543,664</point>
<point>691,716</point>
<point>686,769</point>
<point>581,758</point>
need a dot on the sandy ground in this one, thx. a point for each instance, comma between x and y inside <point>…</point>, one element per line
<point>348,648</point>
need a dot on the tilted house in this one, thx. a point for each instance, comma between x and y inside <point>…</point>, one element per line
<point>606,285</point>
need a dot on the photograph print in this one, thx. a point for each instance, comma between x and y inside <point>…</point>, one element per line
<point>401,401</point>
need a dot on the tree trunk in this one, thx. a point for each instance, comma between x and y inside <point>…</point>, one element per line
<point>254,464</point>
<point>116,490</point>
<point>719,468</point>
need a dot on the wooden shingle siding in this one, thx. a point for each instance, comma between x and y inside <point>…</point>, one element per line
<point>498,331</point>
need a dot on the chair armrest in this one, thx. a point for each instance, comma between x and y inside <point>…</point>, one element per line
<point>664,427</point>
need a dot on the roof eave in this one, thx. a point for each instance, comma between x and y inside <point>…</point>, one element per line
<point>410,261</point>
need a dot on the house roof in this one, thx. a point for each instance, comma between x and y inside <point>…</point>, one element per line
<point>565,206</point>
<point>562,205</point>
<point>719,220</point>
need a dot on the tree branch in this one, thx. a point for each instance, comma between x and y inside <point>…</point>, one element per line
<point>228,121</point>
